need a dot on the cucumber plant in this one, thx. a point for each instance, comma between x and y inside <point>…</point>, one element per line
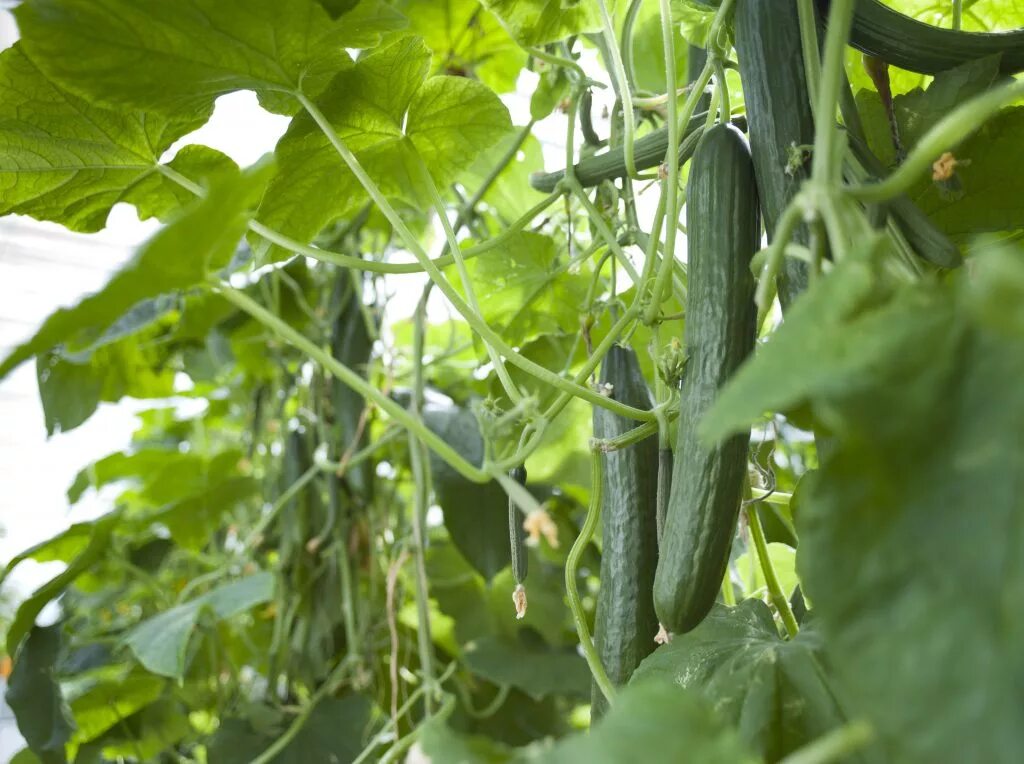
<point>760,362</point>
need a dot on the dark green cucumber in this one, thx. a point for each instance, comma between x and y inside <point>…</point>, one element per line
<point>626,625</point>
<point>648,152</point>
<point>917,47</point>
<point>724,232</point>
<point>516,532</point>
<point>779,116</point>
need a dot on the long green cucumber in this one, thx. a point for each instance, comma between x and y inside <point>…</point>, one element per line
<point>626,624</point>
<point>724,232</point>
<point>779,116</point>
<point>918,47</point>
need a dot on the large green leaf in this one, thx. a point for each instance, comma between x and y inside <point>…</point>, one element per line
<point>832,341</point>
<point>475,514</point>
<point>98,704</point>
<point>160,643</point>
<point>535,669</point>
<point>192,520</point>
<point>121,465</point>
<point>35,698</point>
<point>658,723</point>
<point>386,111</point>
<point>177,56</point>
<point>911,531</point>
<point>773,691</point>
<point>333,732</point>
<point>71,387</point>
<point>67,159</point>
<point>991,177</point>
<point>94,550</point>
<point>537,22</point>
<point>466,39</point>
<point>525,289</point>
<point>198,243</point>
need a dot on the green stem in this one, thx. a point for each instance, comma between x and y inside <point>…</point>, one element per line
<point>958,14</point>
<point>467,283</point>
<point>809,47</point>
<point>944,135</point>
<point>621,82</point>
<point>833,746</point>
<point>293,337</point>
<point>486,334</point>
<point>778,597</point>
<point>571,565</point>
<point>787,225</point>
<point>725,109</point>
<point>373,266</point>
<point>827,159</point>
<point>566,63</point>
<point>300,721</point>
<point>289,493</point>
<point>421,501</point>
<point>671,190</point>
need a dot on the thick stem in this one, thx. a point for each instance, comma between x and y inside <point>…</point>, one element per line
<point>827,159</point>
<point>833,746</point>
<point>778,597</point>
<point>621,86</point>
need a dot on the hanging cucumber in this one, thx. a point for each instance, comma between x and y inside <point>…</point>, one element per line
<point>724,232</point>
<point>517,544</point>
<point>779,116</point>
<point>625,625</point>
<point>918,47</point>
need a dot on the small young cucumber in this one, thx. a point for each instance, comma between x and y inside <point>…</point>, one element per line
<point>724,232</point>
<point>625,625</point>
<point>516,532</point>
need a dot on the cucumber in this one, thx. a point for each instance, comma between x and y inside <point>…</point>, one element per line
<point>917,47</point>
<point>626,624</point>
<point>779,116</point>
<point>724,232</point>
<point>516,532</point>
<point>648,151</point>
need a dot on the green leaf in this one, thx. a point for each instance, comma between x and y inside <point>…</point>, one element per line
<point>192,520</point>
<point>120,466</point>
<point>773,691</point>
<point>67,159</point>
<point>25,617</point>
<point>658,722</point>
<point>910,534</point>
<point>466,39</point>
<point>386,111</point>
<point>178,57</point>
<point>831,342</point>
<point>25,756</point>
<point>510,196</point>
<point>334,732</point>
<point>199,242</point>
<point>751,573</point>
<point>991,175</point>
<point>475,514</point>
<point>538,22</point>
<point>552,88</point>
<point>97,705</point>
<point>441,743</point>
<point>160,642</point>
<point>649,52</point>
<point>156,196</point>
<point>35,698</point>
<point>70,388</point>
<point>537,670</point>
<point>63,547</point>
<point>147,733</point>
<point>525,290</point>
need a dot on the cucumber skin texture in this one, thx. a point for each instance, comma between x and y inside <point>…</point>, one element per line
<point>625,625</point>
<point>724,232</point>
<point>778,115</point>
<point>516,532</point>
<point>917,47</point>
